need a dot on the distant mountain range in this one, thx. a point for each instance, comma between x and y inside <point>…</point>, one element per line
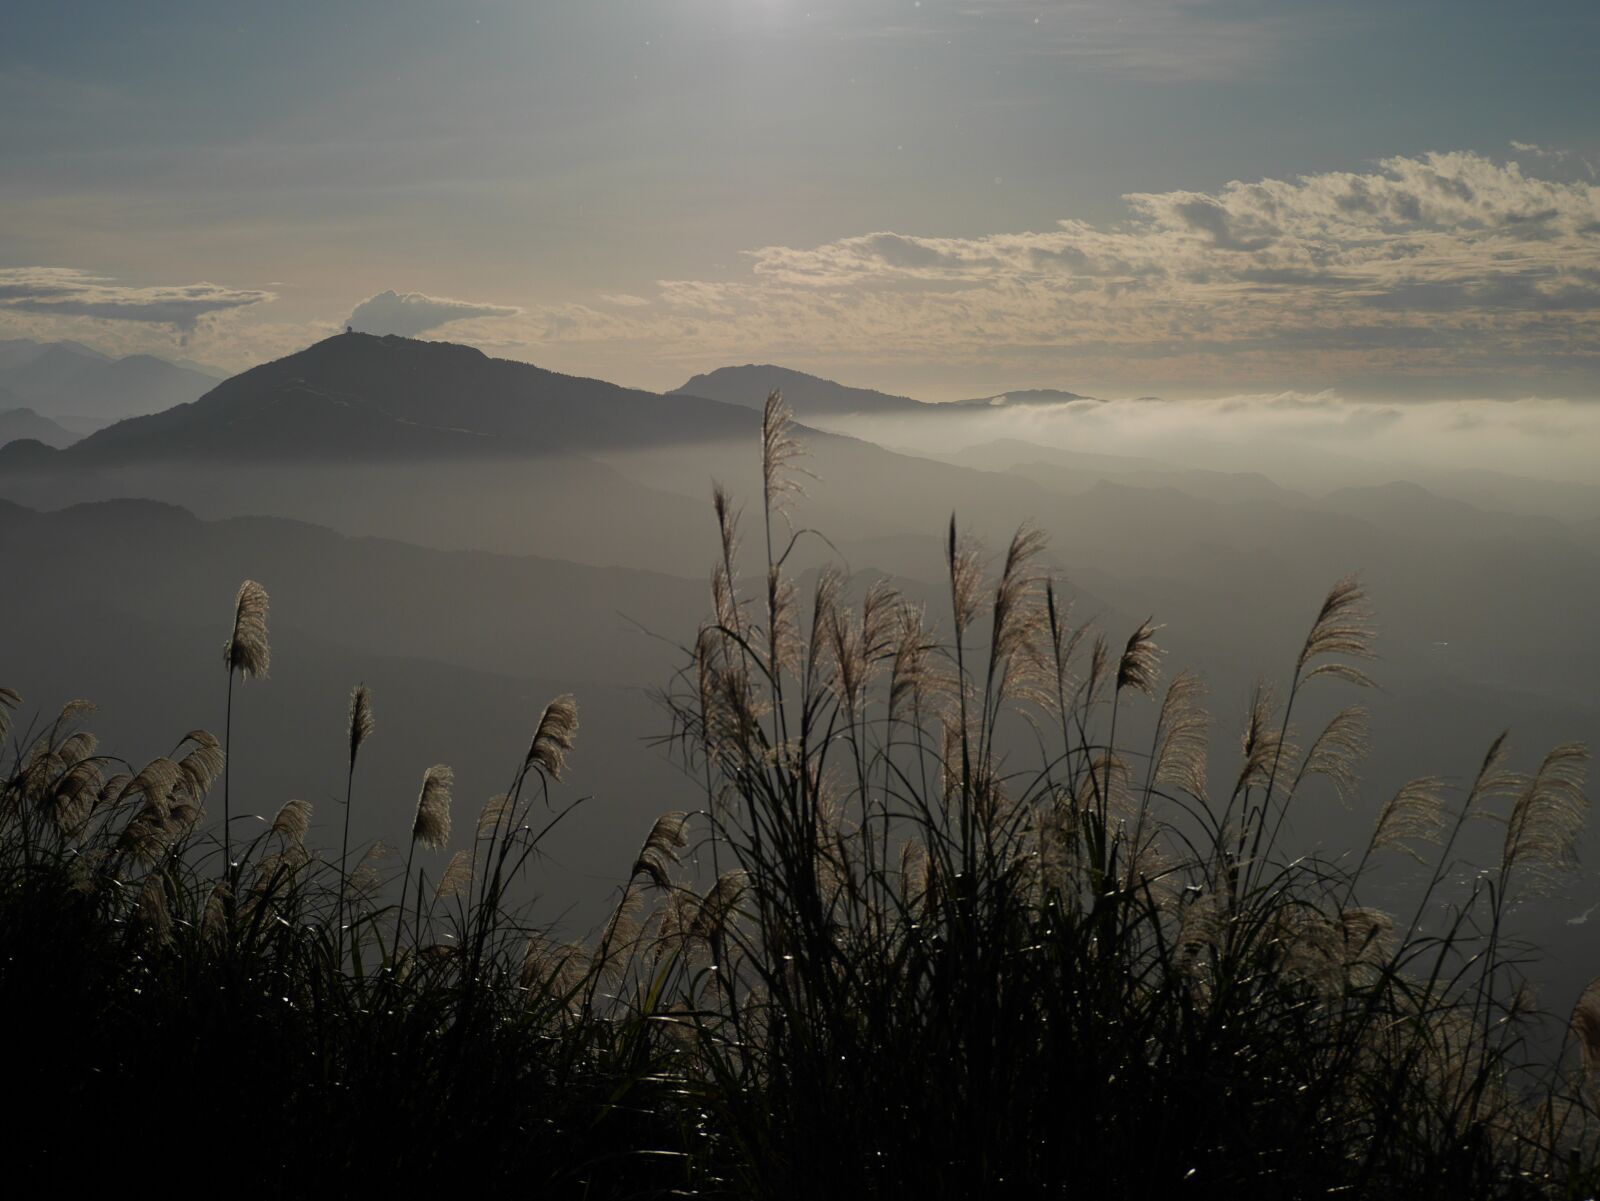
<point>811,396</point>
<point>23,423</point>
<point>362,397</point>
<point>365,397</point>
<point>83,389</point>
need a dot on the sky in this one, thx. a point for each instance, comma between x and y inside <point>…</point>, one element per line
<point>946,198</point>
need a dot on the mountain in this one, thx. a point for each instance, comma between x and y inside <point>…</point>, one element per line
<point>811,396</point>
<point>808,395</point>
<point>440,445</point>
<point>363,397</point>
<point>67,379</point>
<point>16,424</point>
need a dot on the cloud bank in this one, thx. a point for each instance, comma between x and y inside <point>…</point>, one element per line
<point>68,292</point>
<point>411,313</point>
<point>1446,265</point>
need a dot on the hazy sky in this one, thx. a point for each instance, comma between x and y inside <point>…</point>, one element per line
<point>949,197</point>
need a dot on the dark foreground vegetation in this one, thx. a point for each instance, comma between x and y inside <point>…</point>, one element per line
<point>893,956</point>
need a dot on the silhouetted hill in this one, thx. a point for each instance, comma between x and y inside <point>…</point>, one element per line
<point>808,395</point>
<point>27,455</point>
<point>811,396</point>
<point>66,379</point>
<point>25,423</point>
<point>358,396</point>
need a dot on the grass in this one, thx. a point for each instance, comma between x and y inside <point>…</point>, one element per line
<point>892,955</point>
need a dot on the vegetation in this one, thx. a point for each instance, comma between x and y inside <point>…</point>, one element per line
<point>901,956</point>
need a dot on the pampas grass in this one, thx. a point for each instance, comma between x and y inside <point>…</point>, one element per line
<point>246,654</point>
<point>955,936</point>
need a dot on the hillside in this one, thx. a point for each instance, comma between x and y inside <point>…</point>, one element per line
<point>811,396</point>
<point>358,396</point>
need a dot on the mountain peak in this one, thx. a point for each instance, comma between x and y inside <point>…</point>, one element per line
<point>808,395</point>
<point>384,397</point>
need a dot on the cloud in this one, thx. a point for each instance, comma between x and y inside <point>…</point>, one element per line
<point>411,313</point>
<point>1537,150</point>
<point>1440,265</point>
<point>1546,438</point>
<point>68,292</point>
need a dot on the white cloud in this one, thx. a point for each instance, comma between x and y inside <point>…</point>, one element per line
<point>1439,264</point>
<point>68,292</point>
<point>412,313</point>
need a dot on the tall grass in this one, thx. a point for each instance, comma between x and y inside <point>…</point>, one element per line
<point>967,913</point>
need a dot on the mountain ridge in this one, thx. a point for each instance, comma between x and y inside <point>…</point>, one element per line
<point>812,396</point>
<point>68,380</point>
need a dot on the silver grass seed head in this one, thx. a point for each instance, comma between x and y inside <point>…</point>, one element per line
<point>1139,667</point>
<point>10,701</point>
<point>909,674</point>
<point>155,783</point>
<point>1343,630</point>
<point>70,712</point>
<point>247,650</point>
<point>1263,743</point>
<point>1015,620</point>
<point>558,968</point>
<point>153,919</point>
<point>431,827</point>
<point>1099,662</point>
<point>783,637</point>
<point>824,611</point>
<point>201,766</point>
<point>360,724</point>
<point>779,449</point>
<point>113,790</point>
<point>292,822</point>
<point>1368,935</point>
<point>1338,750</point>
<point>717,906</point>
<point>660,850</point>
<point>214,917</point>
<point>1185,729</point>
<point>365,874</point>
<point>75,794</point>
<point>553,737</point>
<point>456,878</point>
<point>493,814</point>
<point>849,662</point>
<point>727,523</point>
<point>966,577</point>
<point>77,747</point>
<point>1414,816</point>
<point>1548,817</point>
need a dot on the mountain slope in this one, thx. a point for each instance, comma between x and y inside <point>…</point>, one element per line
<point>808,395</point>
<point>811,396</point>
<point>357,396</point>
